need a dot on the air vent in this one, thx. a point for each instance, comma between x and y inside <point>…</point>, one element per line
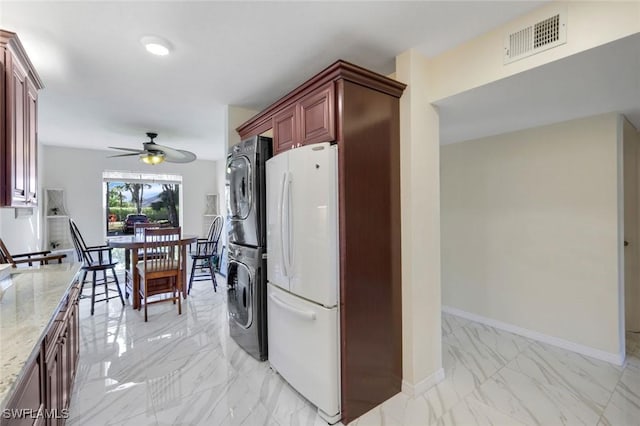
<point>535,38</point>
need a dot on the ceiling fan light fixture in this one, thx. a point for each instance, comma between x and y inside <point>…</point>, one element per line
<point>156,45</point>
<point>152,158</point>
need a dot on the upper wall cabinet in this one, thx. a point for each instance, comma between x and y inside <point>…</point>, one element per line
<point>19,130</point>
<point>309,120</point>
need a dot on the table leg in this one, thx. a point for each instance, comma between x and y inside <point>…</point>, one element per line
<point>136,278</point>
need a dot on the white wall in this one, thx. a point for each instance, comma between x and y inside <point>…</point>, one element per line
<point>530,230</point>
<point>21,234</point>
<point>79,173</point>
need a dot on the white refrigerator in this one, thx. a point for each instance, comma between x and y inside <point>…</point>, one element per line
<point>302,273</point>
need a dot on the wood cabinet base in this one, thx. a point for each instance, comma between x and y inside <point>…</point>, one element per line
<point>43,394</point>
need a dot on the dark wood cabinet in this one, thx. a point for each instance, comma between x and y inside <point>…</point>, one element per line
<point>285,130</point>
<point>47,383</point>
<point>311,119</point>
<point>53,382</point>
<point>359,111</point>
<point>316,116</point>
<point>19,134</point>
<point>29,395</point>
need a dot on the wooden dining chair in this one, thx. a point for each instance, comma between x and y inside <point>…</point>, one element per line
<point>139,227</point>
<point>205,257</point>
<point>39,257</point>
<point>159,269</point>
<point>138,233</point>
<point>95,259</point>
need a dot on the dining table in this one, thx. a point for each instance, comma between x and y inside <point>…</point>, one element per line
<point>132,244</point>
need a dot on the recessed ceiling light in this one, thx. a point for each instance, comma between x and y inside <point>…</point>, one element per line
<point>156,45</point>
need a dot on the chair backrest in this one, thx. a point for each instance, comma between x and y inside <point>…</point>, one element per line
<point>5,256</point>
<point>139,227</point>
<point>161,249</point>
<point>79,244</point>
<point>213,236</point>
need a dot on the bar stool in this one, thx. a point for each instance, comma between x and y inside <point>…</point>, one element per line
<point>95,259</point>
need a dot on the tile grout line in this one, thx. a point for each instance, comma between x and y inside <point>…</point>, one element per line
<point>613,391</point>
<point>462,398</point>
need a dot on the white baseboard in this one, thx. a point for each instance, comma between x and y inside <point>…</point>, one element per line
<point>613,358</point>
<point>423,385</point>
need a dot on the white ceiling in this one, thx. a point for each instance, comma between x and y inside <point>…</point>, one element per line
<point>103,89</point>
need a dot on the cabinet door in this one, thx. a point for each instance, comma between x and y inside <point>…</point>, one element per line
<point>285,130</point>
<point>317,116</point>
<point>74,326</point>
<point>31,126</point>
<point>27,396</point>
<point>17,141</point>
<point>65,368</point>
<point>53,384</point>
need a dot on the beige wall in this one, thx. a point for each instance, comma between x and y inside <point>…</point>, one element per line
<point>420,204</point>
<point>480,60</point>
<point>631,141</point>
<point>530,230</point>
<point>79,173</point>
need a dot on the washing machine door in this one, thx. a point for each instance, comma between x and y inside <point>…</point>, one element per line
<point>240,293</point>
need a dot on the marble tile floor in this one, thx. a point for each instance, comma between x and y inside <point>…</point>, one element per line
<point>186,370</point>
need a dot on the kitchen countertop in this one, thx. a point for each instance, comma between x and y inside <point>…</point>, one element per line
<point>29,298</point>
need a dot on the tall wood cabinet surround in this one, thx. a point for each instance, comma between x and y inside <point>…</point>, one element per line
<point>360,111</point>
<point>19,85</point>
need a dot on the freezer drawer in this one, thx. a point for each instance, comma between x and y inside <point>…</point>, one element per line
<point>303,347</point>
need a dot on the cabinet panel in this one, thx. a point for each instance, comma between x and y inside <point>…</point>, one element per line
<point>31,128</point>
<point>284,130</point>
<point>27,396</point>
<point>17,140</point>
<point>19,84</point>
<point>53,385</point>
<point>317,119</point>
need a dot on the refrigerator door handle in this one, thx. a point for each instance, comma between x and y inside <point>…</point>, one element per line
<point>286,207</point>
<point>308,315</point>
<point>282,228</point>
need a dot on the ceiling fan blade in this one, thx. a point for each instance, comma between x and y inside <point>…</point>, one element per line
<point>175,155</point>
<point>124,155</point>
<point>127,149</point>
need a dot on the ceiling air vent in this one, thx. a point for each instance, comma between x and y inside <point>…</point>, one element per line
<point>535,38</point>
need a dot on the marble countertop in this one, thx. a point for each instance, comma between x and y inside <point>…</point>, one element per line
<point>29,298</point>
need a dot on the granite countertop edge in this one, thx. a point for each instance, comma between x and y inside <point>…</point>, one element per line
<point>5,396</point>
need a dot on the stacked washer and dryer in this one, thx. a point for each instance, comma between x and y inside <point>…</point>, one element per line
<point>247,238</point>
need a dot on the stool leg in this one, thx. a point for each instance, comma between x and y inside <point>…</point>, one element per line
<point>93,292</point>
<point>213,274</point>
<point>84,278</point>
<point>106,286</point>
<point>115,277</point>
<point>193,271</point>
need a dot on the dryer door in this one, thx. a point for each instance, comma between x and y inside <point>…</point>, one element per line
<point>240,293</point>
<point>240,187</point>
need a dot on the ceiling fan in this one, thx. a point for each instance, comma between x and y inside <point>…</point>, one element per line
<point>152,153</point>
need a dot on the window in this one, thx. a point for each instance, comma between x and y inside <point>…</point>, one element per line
<point>139,197</point>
